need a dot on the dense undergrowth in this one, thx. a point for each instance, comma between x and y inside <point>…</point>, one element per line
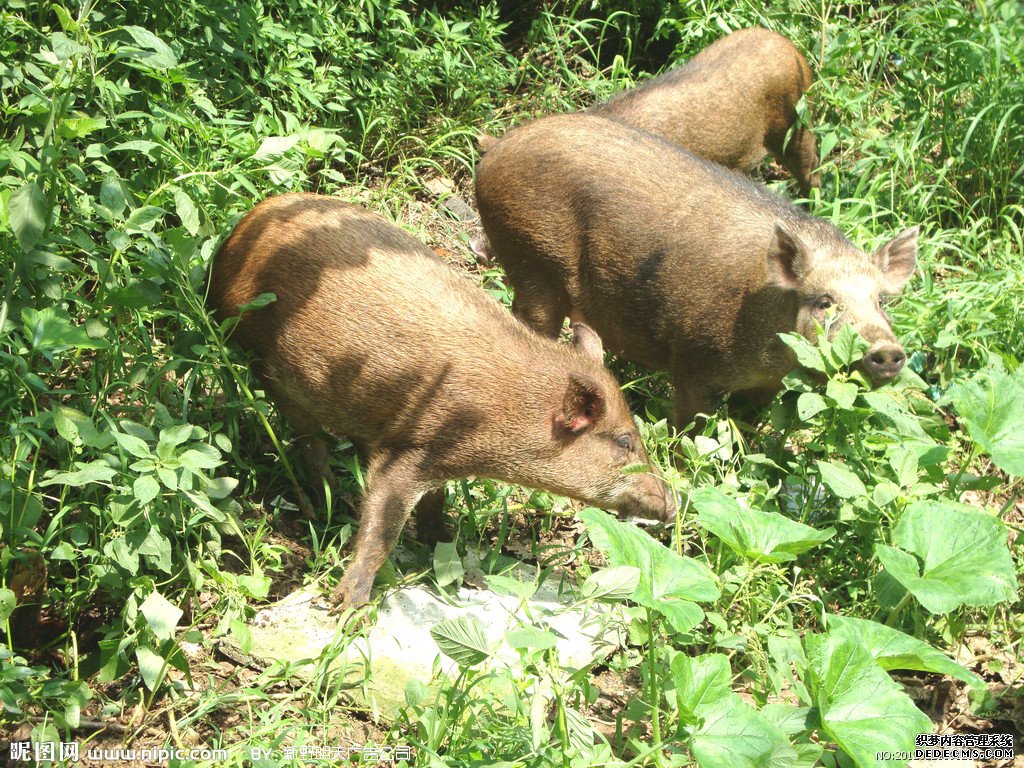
<point>142,471</point>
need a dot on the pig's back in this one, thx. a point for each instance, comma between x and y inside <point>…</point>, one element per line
<point>368,324</point>
<point>724,101</point>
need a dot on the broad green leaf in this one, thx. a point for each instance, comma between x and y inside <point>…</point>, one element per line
<point>187,211</point>
<point>146,488</point>
<point>162,616</point>
<point>134,445</point>
<point>462,640</point>
<point>274,146</point>
<point>611,584</point>
<point>809,404</point>
<point>158,54</point>
<point>142,219</point>
<point>893,649</point>
<point>950,555</point>
<point>700,681</point>
<point>992,405</point>
<point>136,145</point>
<point>50,331</point>
<point>859,706</point>
<point>7,604</point>
<point>840,480</point>
<point>151,666</point>
<point>807,355</point>
<point>667,581</point>
<point>447,564</point>
<point>531,637</point>
<point>93,472</point>
<point>789,719</point>
<point>735,735</point>
<point>112,194</point>
<point>761,536</point>
<point>903,420</point>
<point>507,585</point>
<point>28,214</point>
<point>843,393</point>
<point>848,346</point>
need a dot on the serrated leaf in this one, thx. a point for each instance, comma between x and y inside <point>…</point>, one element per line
<point>700,681</point>
<point>992,406</point>
<point>950,555</point>
<point>161,615</point>
<point>859,706</point>
<point>893,649</point>
<point>842,393</point>
<point>848,346</point>
<point>840,480</point>
<point>28,214</point>
<point>759,536</point>
<point>462,640</point>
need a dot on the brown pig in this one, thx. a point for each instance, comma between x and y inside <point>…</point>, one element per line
<point>732,103</point>
<point>373,338</point>
<point>677,263</point>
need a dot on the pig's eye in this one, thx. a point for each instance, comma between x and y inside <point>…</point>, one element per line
<point>625,442</point>
<point>823,303</point>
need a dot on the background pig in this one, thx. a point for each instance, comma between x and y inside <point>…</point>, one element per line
<point>677,263</point>
<point>732,104</point>
<point>374,338</point>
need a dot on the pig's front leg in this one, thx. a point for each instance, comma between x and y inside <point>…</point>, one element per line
<point>393,489</point>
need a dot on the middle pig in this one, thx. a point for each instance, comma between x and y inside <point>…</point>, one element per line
<point>677,263</point>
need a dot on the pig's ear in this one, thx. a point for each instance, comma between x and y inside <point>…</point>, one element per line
<point>788,258</point>
<point>586,340</point>
<point>896,259</point>
<point>582,405</point>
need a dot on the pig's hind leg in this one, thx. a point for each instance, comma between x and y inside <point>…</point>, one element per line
<point>394,487</point>
<point>431,522</point>
<point>311,442</point>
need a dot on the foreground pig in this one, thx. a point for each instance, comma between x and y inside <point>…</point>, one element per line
<point>732,104</point>
<point>372,337</point>
<point>677,263</point>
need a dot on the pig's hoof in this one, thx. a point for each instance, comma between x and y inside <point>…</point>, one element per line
<point>306,508</point>
<point>349,598</point>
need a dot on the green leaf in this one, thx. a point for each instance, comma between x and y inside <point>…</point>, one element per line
<point>840,480</point>
<point>447,564</point>
<point>507,585</point>
<point>893,649</point>
<point>146,488</point>
<point>807,355</point>
<point>50,331</point>
<point>992,405</point>
<point>162,616</point>
<point>151,667</point>
<point>611,584</point>
<point>859,706</point>
<point>842,393</point>
<point>462,640</point>
<point>134,445</point>
<point>274,146</point>
<point>158,54</point>
<point>7,604</point>
<point>187,212</point>
<point>848,346</point>
<point>809,404</point>
<point>760,536</point>
<point>531,637</point>
<point>665,577</point>
<point>700,681</point>
<point>954,555</point>
<point>731,733</point>
<point>142,219</point>
<point>28,214</point>
<point>93,472</point>
<point>112,194</point>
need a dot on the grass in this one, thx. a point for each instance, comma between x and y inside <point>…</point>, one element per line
<point>144,477</point>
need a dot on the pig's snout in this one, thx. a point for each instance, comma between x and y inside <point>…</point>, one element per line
<point>653,499</point>
<point>884,361</point>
